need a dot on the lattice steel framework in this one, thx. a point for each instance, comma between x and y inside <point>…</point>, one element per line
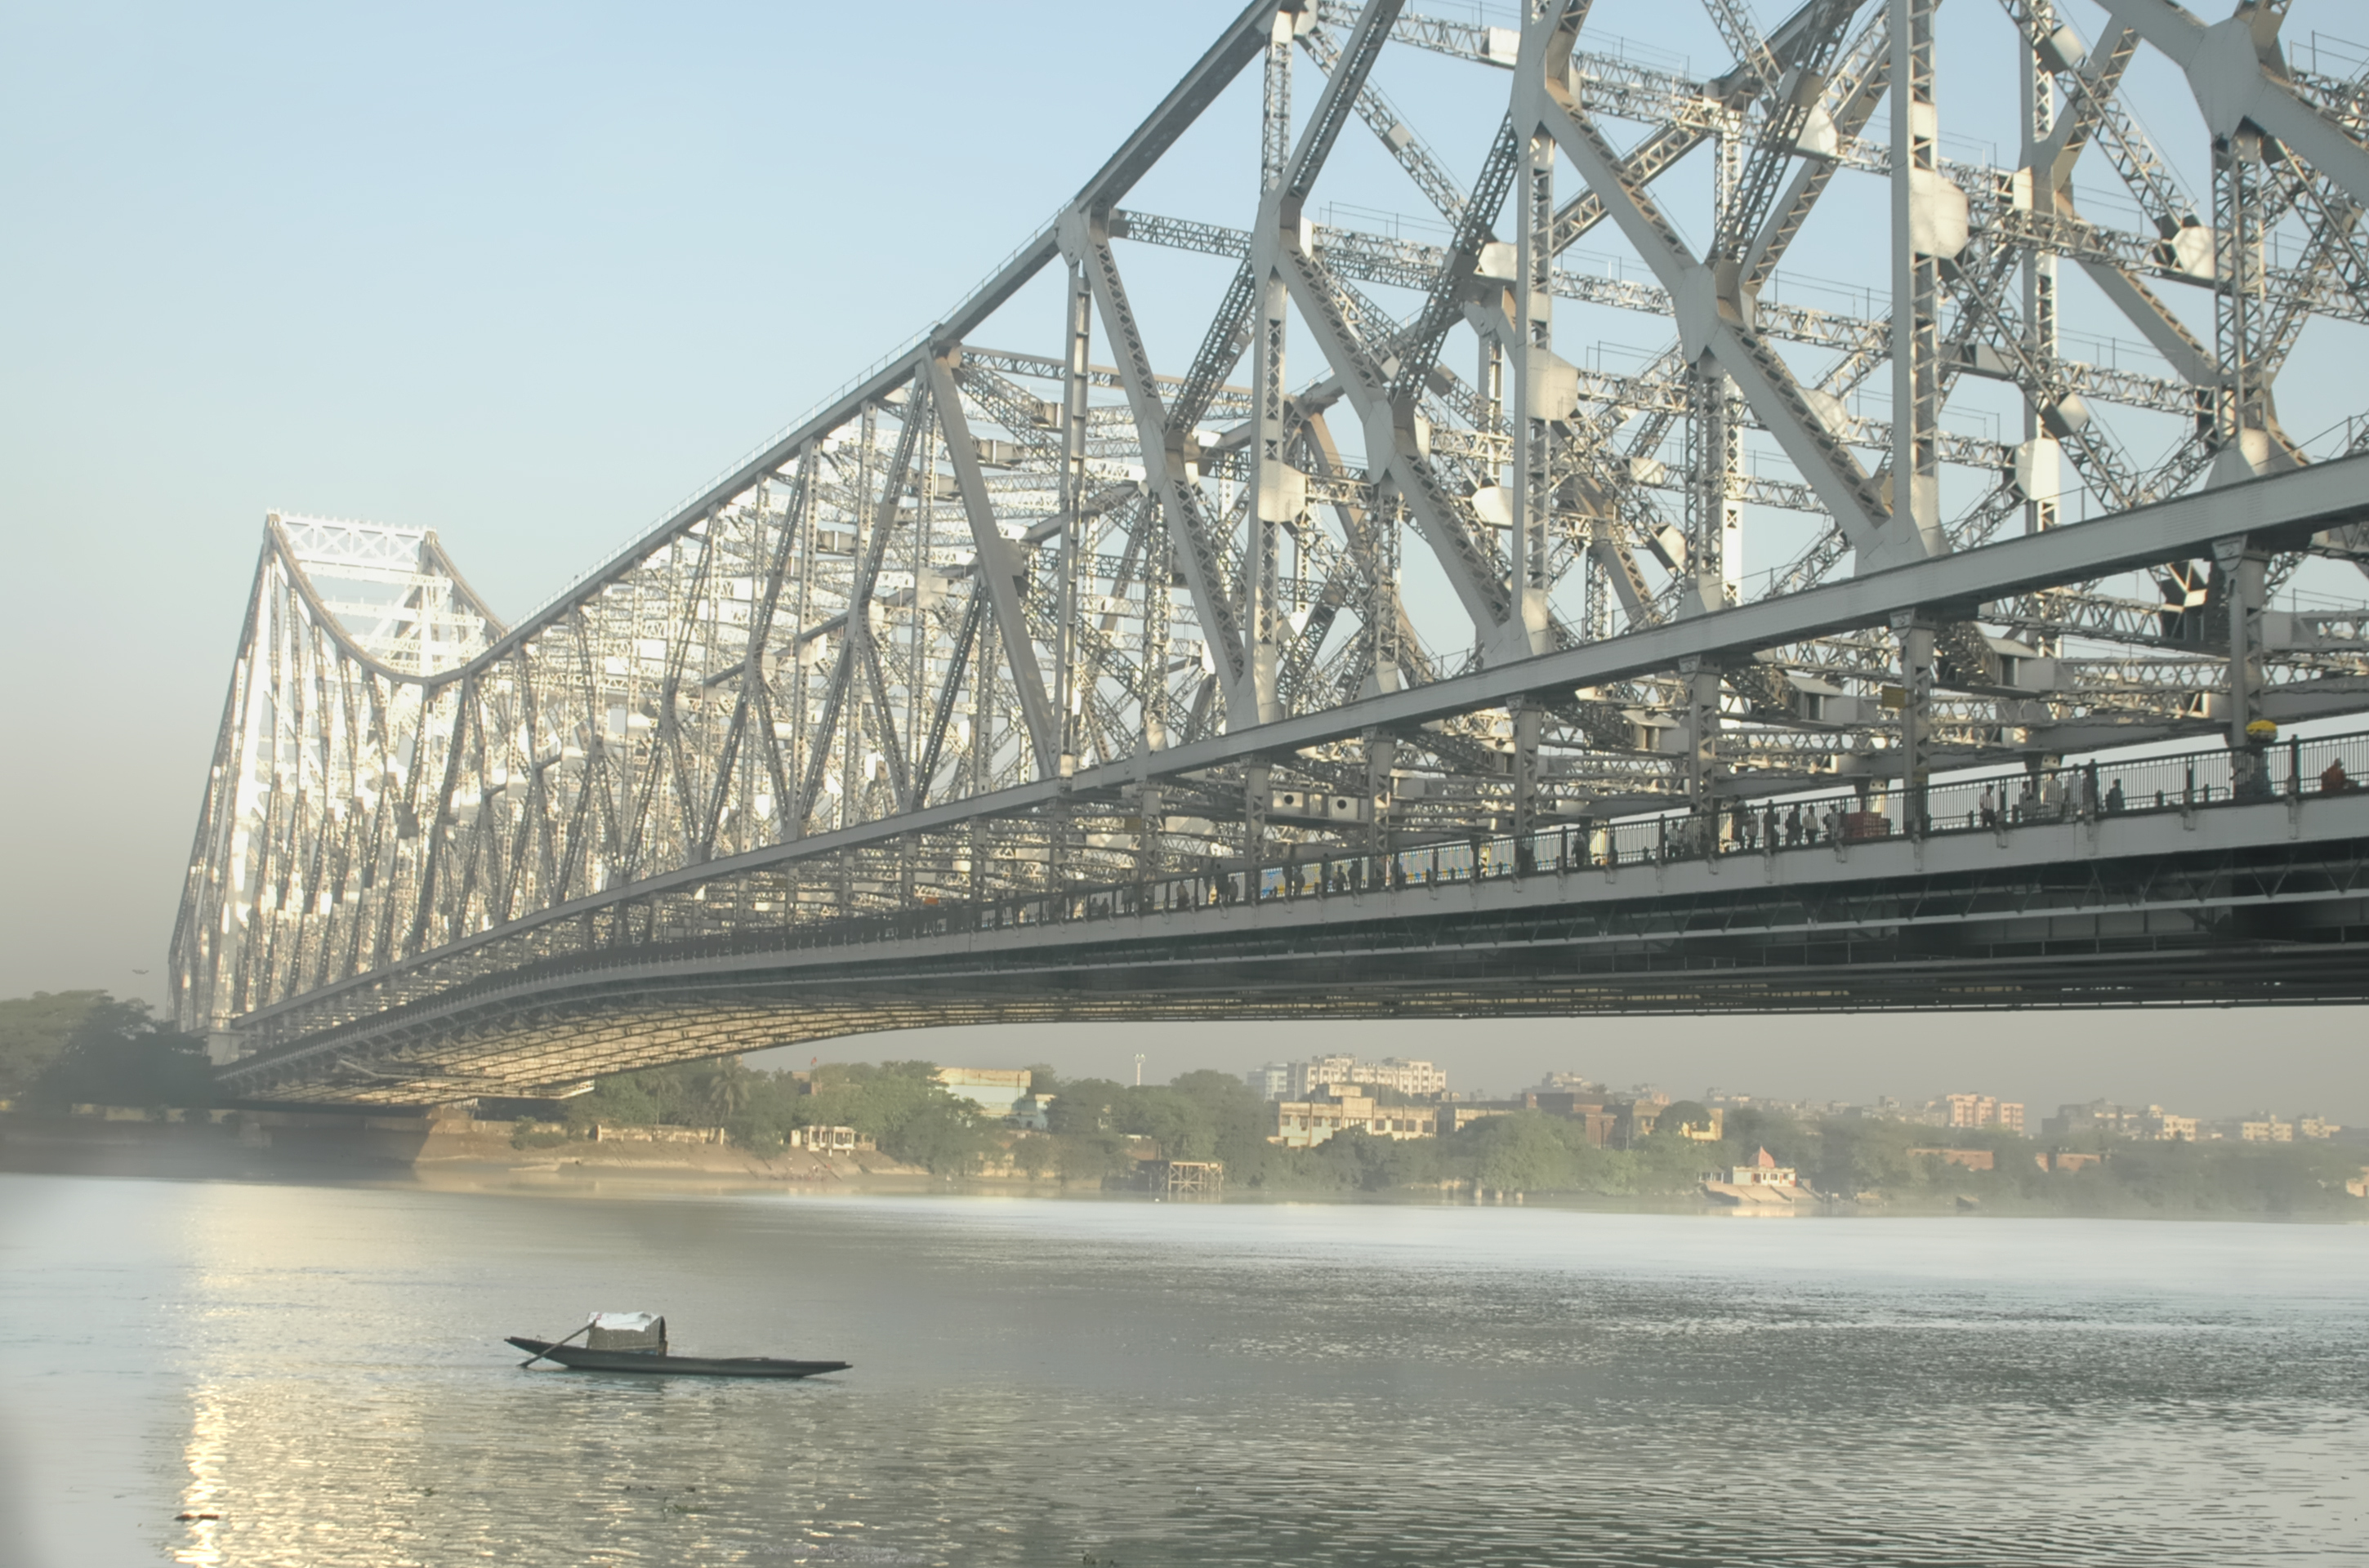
<point>1001,621</point>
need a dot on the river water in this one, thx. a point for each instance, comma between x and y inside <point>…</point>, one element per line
<point>1059,1382</point>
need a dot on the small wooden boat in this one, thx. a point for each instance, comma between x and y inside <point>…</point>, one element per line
<point>585,1359</point>
<point>636,1341</point>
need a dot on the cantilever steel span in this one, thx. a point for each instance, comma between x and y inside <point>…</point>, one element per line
<point>1421,673</point>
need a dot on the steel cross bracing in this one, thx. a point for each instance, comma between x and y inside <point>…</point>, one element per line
<point>1524,511</point>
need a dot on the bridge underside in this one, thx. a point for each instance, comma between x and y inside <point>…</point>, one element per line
<point>1963,925</point>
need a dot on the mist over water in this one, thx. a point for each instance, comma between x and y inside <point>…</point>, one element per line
<point>1053,1382</point>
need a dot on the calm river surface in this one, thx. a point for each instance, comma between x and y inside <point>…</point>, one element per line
<point>1061,1382</point>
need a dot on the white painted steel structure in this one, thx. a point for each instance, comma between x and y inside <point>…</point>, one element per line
<point>999,626</point>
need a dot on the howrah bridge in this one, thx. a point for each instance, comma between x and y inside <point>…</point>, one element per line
<point>1379,643</point>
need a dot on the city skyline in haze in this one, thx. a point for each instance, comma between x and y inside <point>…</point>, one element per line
<point>1856,1058</point>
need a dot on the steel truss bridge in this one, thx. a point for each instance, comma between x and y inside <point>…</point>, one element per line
<point>1390,652</point>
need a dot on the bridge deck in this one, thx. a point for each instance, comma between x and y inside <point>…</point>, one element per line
<point>2237,902</point>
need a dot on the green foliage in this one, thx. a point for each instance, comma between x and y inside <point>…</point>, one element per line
<point>661,1097</point>
<point>1089,1104</point>
<point>1090,1158</point>
<point>725,1089</point>
<point>1787,1140</point>
<point>943,1136</point>
<point>1359,1160</point>
<point>34,1031</point>
<point>901,1104</point>
<point>1036,1155</point>
<point>1199,1116</point>
<point>1684,1115</point>
<point>86,1048</point>
<point>1522,1153</point>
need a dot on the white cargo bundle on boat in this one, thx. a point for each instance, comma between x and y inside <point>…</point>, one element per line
<point>627,1331</point>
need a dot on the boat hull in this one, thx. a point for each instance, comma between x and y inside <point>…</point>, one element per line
<point>579,1358</point>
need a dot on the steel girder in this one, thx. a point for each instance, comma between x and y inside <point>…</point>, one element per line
<point>999,622</point>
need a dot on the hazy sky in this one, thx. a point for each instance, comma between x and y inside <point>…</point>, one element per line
<point>527,275</point>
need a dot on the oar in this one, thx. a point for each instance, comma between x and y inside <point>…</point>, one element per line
<point>553,1345</point>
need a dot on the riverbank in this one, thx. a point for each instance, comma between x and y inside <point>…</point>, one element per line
<point>441,1151</point>
<point>460,1154</point>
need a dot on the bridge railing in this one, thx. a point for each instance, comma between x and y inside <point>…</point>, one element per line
<point>1994,801</point>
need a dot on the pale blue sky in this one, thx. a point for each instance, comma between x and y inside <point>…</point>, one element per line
<point>527,275</point>
<point>523,274</point>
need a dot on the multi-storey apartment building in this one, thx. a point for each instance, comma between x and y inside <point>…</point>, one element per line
<point>1421,1079</point>
<point>1338,1109</point>
<point>1981,1110</point>
<point>1272,1082</point>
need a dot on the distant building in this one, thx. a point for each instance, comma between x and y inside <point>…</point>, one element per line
<point>1981,1110</point>
<point>1801,1110</point>
<point>2313,1127</point>
<point>1420,1079</point>
<point>2152,1123</point>
<point>1304,1124</point>
<point>1028,1112</point>
<point>2261,1127</point>
<point>994,1090</point>
<point>1634,1121</point>
<point>1932,1113</point>
<point>1455,1116</point>
<point>2118,1121</point>
<point>1710,1130</point>
<point>1763,1172</point>
<point>1272,1082</point>
<point>1972,1159</point>
<point>2060,1162</point>
<point>830,1139</point>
